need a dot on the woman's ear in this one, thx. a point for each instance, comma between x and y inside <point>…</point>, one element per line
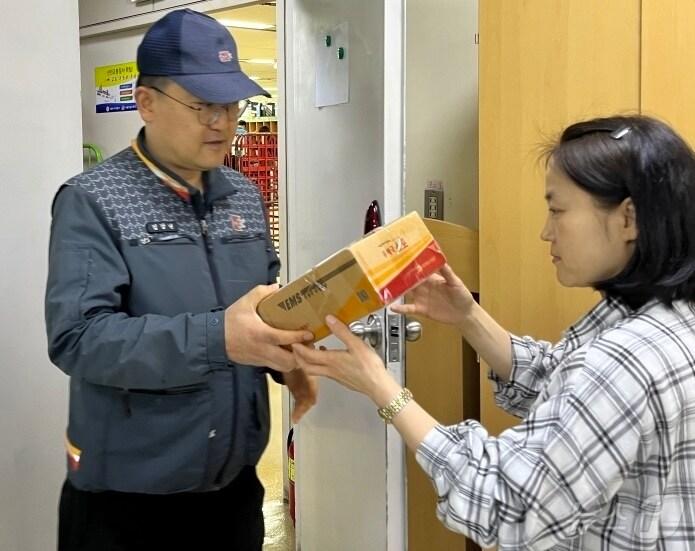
<point>629,217</point>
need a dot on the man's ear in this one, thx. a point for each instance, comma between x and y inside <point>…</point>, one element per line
<point>629,217</point>
<point>144,98</point>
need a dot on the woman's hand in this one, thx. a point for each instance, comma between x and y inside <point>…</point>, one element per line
<point>441,297</point>
<point>358,367</point>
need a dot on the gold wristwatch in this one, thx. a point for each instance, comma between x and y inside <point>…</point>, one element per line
<point>396,405</point>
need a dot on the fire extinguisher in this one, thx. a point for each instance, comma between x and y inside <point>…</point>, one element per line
<point>290,471</point>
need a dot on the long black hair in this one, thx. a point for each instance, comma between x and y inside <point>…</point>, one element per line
<point>644,159</point>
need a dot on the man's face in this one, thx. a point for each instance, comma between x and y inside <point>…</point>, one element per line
<point>183,140</point>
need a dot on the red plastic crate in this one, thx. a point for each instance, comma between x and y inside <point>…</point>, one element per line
<point>255,155</point>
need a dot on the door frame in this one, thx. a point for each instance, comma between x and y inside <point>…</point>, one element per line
<point>392,208</point>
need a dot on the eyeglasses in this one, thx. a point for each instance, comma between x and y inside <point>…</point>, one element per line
<point>210,113</point>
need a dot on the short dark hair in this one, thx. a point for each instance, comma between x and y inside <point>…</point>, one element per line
<point>644,159</point>
<point>152,81</point>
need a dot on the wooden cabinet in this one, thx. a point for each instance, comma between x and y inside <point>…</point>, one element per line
<point>543,64</point>
<point>668,63</point>
<point>443,375</point>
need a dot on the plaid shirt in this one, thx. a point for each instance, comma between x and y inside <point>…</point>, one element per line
<point>605,457</point>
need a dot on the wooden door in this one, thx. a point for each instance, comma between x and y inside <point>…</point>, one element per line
<point>543,64</point>
<point>668,63</point>
<point>443,374</point>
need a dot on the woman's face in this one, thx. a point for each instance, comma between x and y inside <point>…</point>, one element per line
<point>588,243</point>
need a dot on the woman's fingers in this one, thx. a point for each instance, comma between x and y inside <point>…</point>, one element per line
<point>322,358</point>
<point>342,331</point>
<point>449,275</point>
<point>405,308</point>
<point>310,367</point>
<point>280,359</point>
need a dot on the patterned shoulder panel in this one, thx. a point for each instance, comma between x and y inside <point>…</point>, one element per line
<point>131,196</point>
<point>241,212</point>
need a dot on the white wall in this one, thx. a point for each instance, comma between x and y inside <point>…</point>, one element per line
<point>40,146</point>
<point>442,105</point>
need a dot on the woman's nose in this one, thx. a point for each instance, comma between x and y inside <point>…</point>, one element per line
<point>546,234</point>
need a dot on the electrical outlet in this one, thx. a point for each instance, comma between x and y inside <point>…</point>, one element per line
<point>434,204</point>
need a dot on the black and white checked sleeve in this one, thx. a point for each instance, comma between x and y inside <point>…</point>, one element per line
<point>550,478</point>
<point>532,363</point>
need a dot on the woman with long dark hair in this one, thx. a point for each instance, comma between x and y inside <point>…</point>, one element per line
<point>604,457</point>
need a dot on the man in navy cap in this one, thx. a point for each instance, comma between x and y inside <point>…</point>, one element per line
<point>158,258</point>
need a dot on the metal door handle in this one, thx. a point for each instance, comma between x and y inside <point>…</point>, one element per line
<point>369,332</point>
<point>413,330</point>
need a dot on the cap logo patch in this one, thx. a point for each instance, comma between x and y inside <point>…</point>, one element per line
<point>225,56</point>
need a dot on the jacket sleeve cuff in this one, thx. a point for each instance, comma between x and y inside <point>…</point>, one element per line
<point>217,351</point>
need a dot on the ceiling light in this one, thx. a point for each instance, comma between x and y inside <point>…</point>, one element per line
<point>254,77</point>
<point>259,61</point>
<point>254,25</point>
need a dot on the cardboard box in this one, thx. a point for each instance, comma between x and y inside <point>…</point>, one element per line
<point>357,280</point>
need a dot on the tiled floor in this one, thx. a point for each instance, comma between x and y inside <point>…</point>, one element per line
<point>279,532</point>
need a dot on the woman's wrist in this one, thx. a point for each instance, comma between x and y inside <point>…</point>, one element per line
<point>468,317</point>
<point>385,389</point>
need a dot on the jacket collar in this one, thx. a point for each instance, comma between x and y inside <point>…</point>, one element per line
<point>215,184</point>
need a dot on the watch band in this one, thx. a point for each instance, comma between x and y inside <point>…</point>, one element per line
<point>396,405</point>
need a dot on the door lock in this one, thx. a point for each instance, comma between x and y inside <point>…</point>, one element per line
<point>369,332</point>
<point>372,333</point>
<point>413,330</point>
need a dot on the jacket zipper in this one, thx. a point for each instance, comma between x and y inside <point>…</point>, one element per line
<point>126,402</point>
<point>204,230</point>
<point>211,264</point>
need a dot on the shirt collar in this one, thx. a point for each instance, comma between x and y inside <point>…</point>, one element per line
<point>604,315</point>
<point>216,186</point>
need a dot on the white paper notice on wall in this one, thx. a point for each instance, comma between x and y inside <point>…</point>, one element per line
<point>333,66</point>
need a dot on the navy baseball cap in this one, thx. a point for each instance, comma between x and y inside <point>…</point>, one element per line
<point>199,54</point>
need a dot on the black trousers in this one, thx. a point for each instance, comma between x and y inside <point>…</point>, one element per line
<point>230,519</point>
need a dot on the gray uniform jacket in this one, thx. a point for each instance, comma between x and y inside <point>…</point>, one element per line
<point>138,280</point>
